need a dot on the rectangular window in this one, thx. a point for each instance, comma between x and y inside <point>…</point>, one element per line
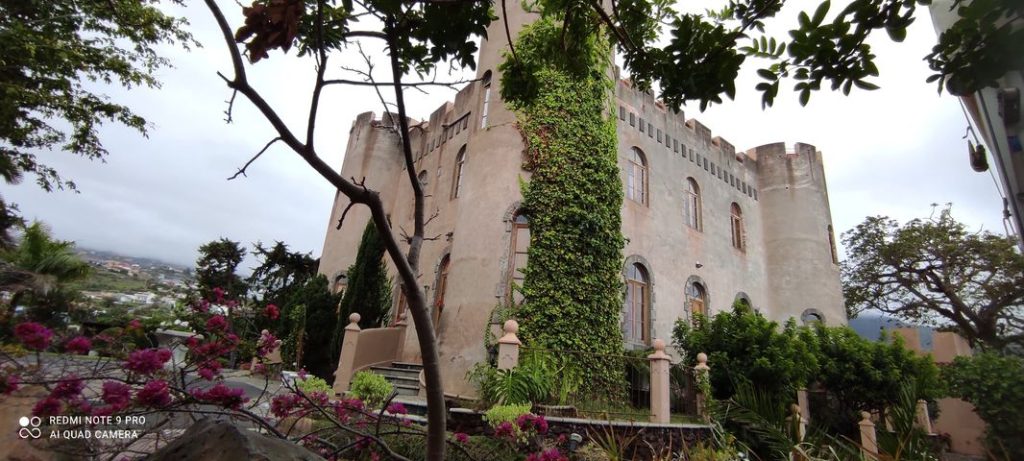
<point>675,146</point>
<point>622,113</point>
<point>712,168</point>
<point>487,103</point>
<point>659,135</point>
<point>698,158</point>
<point>465,122</point>
<point>650,130</point>
<point>705,164</point>
<point>643,124</point>
<point>632,119</point>
<point>755,195</point>
<point>691,153</point>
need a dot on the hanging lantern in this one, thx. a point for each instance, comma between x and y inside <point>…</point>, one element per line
<point>979,161</point>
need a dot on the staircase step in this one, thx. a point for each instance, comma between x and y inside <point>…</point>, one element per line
<point>407,366</point>
<point>399,373</point>
<point>403,389</point>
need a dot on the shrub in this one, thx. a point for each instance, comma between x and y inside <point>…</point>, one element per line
<point>525,384</point>
<point>371,388</point>
<point>994,384</point>
<point>313,384</point>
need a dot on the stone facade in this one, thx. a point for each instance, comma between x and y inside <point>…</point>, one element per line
<point>781,261</point>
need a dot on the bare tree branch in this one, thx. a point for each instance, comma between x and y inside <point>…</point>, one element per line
<point>241,171</point>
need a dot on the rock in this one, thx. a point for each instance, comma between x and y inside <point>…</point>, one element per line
<point>218,440</point>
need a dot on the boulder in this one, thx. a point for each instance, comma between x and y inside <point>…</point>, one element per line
<point>219,440</point>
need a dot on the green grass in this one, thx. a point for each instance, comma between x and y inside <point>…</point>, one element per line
<point>105,280</point>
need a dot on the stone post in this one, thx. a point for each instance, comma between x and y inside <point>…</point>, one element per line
<point>797,426</point>
<point>660,411</point>
<point>804,403</point>
<point>346,363</point>
<point>403,322</point>
<point>508,346</point>
<point>702,373</point>
<point>868,438</point>
<point>924,421</point>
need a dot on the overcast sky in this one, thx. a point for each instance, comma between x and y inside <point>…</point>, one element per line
<point>893,151</point>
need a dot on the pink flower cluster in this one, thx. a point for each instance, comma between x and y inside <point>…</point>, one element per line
<point>147,361</point>
<point>155,393</point>
<point>67,390</point>
<point>9,383</point>
<point>272,312</point>
<point>462,437</point>
<point>134,324</point>
<point>397,408</point>
<point>282,405</point>
<point>78,345</point>
<point>266,344</point>
<point>547,455</point>
<point>117,397</point>
<point>222,395</point>
<point>505,430</point>
<point>33,335</point>
<point>531,422</point>
<point>217,324</point>
<point>209,369</point>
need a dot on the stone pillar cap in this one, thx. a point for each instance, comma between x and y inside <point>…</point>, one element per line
<point>353,320</point>
<point>511,327</point>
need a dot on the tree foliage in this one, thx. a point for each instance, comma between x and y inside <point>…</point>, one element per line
<point>311,313</point>
<point>994,384</point>
<point>36,271</point>
<point>742,345</point>
<point>53,53</point>
<point>218,261</point>
<point>935,271</point>
<point>279,272</point>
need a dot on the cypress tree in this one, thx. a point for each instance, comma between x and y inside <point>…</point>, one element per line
<point>369,288</point>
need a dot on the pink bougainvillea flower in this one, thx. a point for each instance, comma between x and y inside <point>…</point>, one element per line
<point>134,324</point>
<point>218,294</point>
<point>209,369</point>
<point>68,388</point>
<point>504,430</point>
<point>217,324</point>
<point>530,421</point>
<point>155,393</point>
<point>147,361</point>
<point>282,405</point>
<point>33,335</point>
<point>266,344</point>
<point>49,406</point>
<point>116,394</point>
<point>551,454</point>
<point>462,437</point>
<point>227,397</point>
<point>78,345</point>
<point>272,312</point>
<point>9,383</point>
<point>397,408</point>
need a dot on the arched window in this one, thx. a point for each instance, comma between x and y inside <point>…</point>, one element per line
<point>812,317</point>
<point>692,207</point>
<point>439,292</point>
<point>518,256</point>
<point>832,244</point>
<point>487,99</point>
<point>698,298</point>
<point>738,233</point>
<point>636,327</point>
<point>423,177</point>
<point>460,163</point>
<point>636,177</point>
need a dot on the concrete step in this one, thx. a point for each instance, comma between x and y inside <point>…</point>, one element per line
<point>407,366</point>
<point>404,389</point>
<point>399,373</point>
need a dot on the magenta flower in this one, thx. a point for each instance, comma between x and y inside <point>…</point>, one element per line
<point>530,421</point>
<point>504,430</point>
<point>397,408</point>
<point>116,394</point>
<point>547,455</point>
<point>49,406</point>
<point>462,437</point>
<point>218,292</point>
<point>266,344</point>
<point>217,323</point>
<point>209,369</point>
<point>134,324</point>
<point>282,405</point>
<point>9,383</point>
<point>222,395</point>
<point>78,345</point>
<point>147,361</point>
<point>68,389</point>
<point>33,335</point>
<point>272,312</point>
<point>155,393</point>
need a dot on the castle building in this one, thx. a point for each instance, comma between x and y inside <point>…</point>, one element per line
<point>705,225</point>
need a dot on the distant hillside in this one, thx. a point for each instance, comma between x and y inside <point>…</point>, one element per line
<point>104,255</point>
<point>870,327</point>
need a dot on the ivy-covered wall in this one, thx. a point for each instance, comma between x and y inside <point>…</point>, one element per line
<point>572,287</point>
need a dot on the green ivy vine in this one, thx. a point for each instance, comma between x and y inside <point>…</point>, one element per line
<point>573,290</point>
